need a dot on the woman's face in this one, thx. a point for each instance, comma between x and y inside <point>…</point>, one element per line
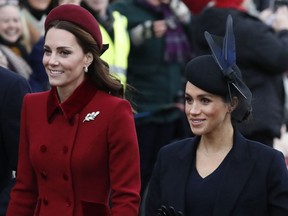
<point>97,5</point>
<point>205,112</point>
<point>39,4</point>
<point>64,59</point>
<point>10,23</point>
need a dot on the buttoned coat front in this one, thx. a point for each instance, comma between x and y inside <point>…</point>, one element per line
<point>254,182</point>
<point>77,158</point>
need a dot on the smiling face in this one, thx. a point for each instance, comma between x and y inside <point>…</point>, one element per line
<point>205,112</point>
<point>10,23</point>
<point>64,59</point>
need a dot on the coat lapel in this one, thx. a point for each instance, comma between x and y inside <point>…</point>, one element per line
<point>74,104</point>
<point>235,177</point>
<point>179,181</point>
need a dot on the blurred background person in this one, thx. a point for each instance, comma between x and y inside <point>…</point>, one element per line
<point>262,52</point>
<point>113,27</point>
<point>160,46</point>
<point>15,2</point>
<point>11,32</point>
<point>3,60</point>
<point>262,4</point>
<point>197,6</point>
<point>13,87</point>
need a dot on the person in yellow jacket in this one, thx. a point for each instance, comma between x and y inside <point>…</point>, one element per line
<point>113,27</point>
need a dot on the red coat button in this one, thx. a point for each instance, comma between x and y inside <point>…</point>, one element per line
<point>43,175</point>
<point>68,203</point>
<point>65,177</point>
<point>65,149</point>
<point>45,201</point>
<point>43,148</point>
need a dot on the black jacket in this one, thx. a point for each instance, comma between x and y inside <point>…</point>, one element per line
<point>13,87</point>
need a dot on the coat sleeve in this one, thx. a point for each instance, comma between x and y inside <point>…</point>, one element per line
<point>278,187</point>
<point>23,196</point>
<point>124,162</point>
<point>12,105</point>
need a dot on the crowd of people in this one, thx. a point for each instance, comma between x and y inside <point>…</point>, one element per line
<point>126,100</point>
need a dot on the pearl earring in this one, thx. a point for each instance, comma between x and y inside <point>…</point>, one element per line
<point>85,69</point>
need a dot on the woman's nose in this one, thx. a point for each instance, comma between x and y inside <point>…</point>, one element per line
<point>194,109</point>
<point>53,60</point>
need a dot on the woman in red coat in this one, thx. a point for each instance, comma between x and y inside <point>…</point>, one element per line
<point>78,152</point>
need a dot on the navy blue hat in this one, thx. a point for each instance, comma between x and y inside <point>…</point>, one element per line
<point>219,74</point>
<point>204,73</point>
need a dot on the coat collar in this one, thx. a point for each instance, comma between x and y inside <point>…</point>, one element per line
<point>73,105</point>
<point>183,164</point>
<point>235,175</point>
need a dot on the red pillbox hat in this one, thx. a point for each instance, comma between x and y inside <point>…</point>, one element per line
<point>78,16</point>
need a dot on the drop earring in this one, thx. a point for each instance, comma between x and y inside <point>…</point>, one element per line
<point>85,69</point>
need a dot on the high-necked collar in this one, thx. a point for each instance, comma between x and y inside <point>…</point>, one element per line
<point>72,105</point>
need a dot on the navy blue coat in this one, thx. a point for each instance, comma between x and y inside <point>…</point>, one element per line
<point>13,87</point>
<point>254,183</point>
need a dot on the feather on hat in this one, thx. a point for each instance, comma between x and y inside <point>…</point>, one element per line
<point>218,73</point>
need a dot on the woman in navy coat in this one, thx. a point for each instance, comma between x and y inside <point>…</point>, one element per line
<point>78,151</point>
<point>218,172</point>
<point>13,87</point>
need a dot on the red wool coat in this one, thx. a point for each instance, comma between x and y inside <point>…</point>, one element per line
<point>73,165</point>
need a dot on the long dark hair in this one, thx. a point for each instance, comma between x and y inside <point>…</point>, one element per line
<point>98,71</point>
